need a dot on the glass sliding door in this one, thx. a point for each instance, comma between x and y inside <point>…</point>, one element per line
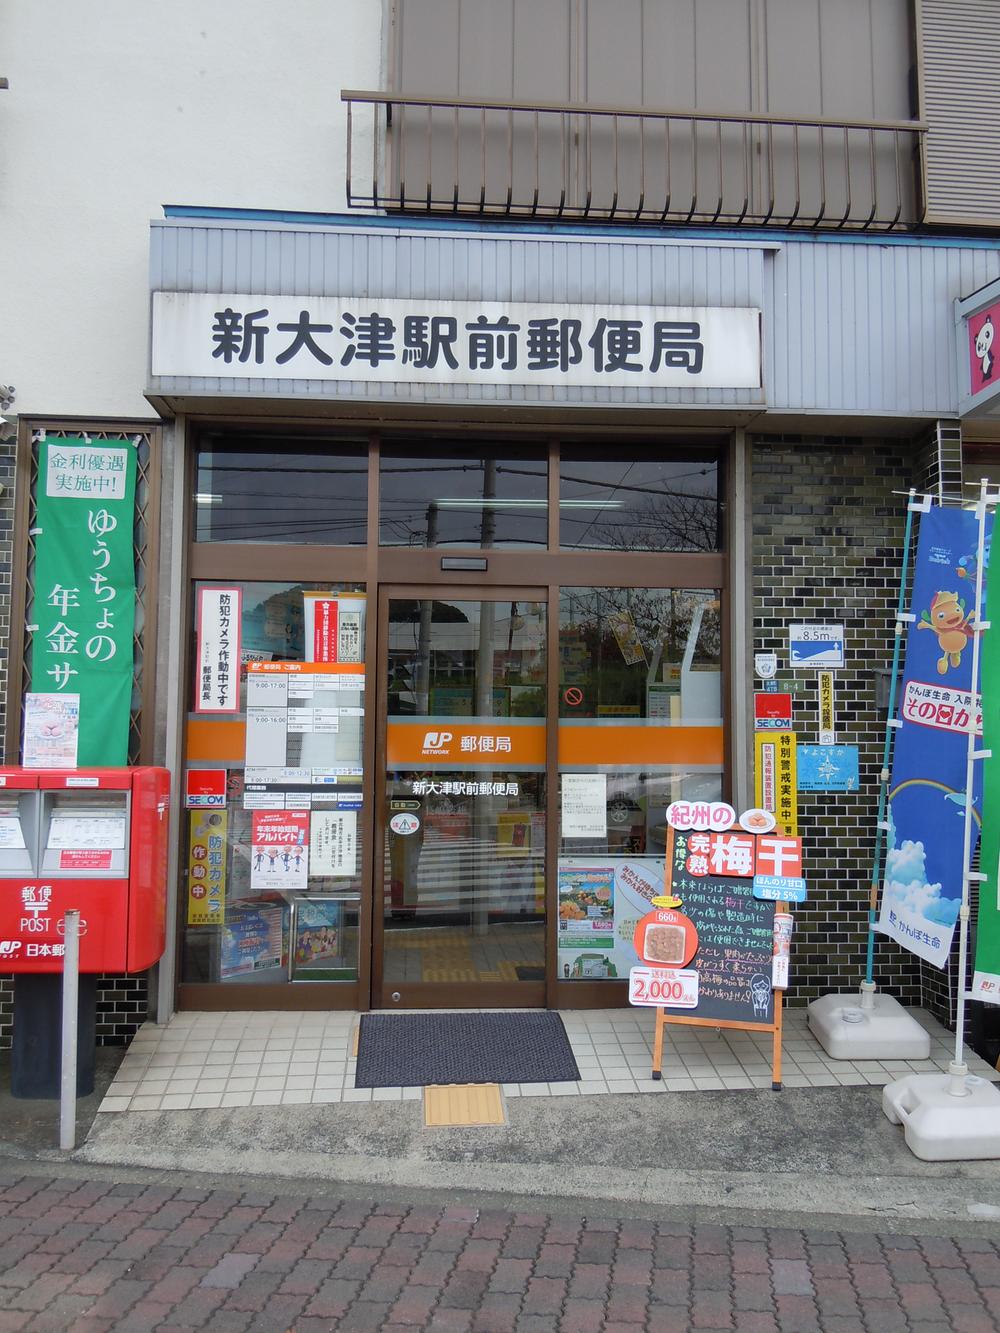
<point>640,725</point>
<point>463,678</point>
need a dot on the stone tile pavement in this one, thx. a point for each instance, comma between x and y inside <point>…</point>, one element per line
<point>206,1061</point>
<point>90,1255</point>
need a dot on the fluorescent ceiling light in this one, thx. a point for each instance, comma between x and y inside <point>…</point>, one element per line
<point>456,502</point>
<point>453,502</point>
<point>206,498</point>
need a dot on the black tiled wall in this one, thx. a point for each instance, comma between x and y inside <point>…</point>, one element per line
<point>827,538</point>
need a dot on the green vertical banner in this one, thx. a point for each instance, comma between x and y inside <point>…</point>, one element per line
<point>84,607</point>
<point>986,977</point>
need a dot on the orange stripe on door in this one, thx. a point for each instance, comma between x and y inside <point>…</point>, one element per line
<point>224,741</point>
<point>424,745</point>
<point>640,745</point>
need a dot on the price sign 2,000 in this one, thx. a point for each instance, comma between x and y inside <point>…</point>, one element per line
<point>657,986</point>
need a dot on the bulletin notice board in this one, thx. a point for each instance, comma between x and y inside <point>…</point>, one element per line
<point>734,955</point>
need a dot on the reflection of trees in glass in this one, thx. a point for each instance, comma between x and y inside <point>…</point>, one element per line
<point>441,662</point>
<point>667,522</point>
<point>527,702</point>
<point>592,658</point>
<point>639,503</point>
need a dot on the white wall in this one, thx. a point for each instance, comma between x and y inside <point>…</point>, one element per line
<point>118,107</point>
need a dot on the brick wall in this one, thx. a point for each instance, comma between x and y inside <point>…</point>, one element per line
<point>827,540</point>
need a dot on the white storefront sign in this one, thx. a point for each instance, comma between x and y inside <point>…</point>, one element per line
<point>233,336</point>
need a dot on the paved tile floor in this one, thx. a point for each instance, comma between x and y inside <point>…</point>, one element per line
<point>104,1257</point>
<point>207,1060</point>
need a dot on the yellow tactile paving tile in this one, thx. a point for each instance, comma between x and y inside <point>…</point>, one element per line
<point>463,1104</point>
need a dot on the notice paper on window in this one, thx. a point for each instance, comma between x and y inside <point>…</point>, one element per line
<point>584,805</point>
<point>333,843</point>
<point>10,832</point>
<point>99,831</point>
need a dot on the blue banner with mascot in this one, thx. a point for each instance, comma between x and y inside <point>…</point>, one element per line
<point>923,871</point>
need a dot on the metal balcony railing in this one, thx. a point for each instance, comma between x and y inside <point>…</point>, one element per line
<point>622,164</point>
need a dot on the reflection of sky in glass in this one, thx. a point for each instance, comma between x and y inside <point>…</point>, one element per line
<point>459,499</point>
<point>275,494</point>
<point>635,503</point>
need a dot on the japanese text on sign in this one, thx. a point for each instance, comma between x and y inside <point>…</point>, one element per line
<point>939,707</point>
<point>84,591</point>
<point>218,684</point>
<point>721,854</point>
<point>468,342</point>
<point>207,848</point>
<point>716,815</point>
<point>825,686</point>
<point>79,469</point>
<point>775,778</point>
<point>333,843</point>
<point>428,787</point>
<point>657,986</point>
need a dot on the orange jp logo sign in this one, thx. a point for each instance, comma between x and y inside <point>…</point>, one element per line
<point>412,745</point>
<point>436,742</point>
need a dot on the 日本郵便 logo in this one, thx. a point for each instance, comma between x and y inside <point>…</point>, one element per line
<point>436,742</point>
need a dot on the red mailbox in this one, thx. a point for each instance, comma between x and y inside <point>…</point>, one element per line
<point>94,839</point>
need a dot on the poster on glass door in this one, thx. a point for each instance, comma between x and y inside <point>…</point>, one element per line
<point>601,900</point>
<point>334,627</point>
<point>279,849</point>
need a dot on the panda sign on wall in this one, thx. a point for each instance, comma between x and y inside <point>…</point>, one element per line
<point>977,319</point>
<point>984,347</point>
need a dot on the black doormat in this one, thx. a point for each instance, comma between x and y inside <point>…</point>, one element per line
<point>413,1050</point>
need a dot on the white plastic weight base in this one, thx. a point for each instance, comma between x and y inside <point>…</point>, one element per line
<point>871,1026</point>
<point>939,1126</point>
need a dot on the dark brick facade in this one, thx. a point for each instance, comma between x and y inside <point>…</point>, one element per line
<point>827,541</point>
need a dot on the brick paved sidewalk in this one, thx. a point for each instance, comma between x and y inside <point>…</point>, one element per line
<point>95,1255</point>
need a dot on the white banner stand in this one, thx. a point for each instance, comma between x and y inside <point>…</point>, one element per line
<point>867,1026</point>
<point>955,1117</point>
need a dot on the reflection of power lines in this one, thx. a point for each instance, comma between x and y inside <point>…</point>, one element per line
<point>287,470</point>
<point>250,506</point>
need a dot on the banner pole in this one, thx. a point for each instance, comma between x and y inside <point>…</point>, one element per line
<point>883,791</point>
<point>957,1069</point>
